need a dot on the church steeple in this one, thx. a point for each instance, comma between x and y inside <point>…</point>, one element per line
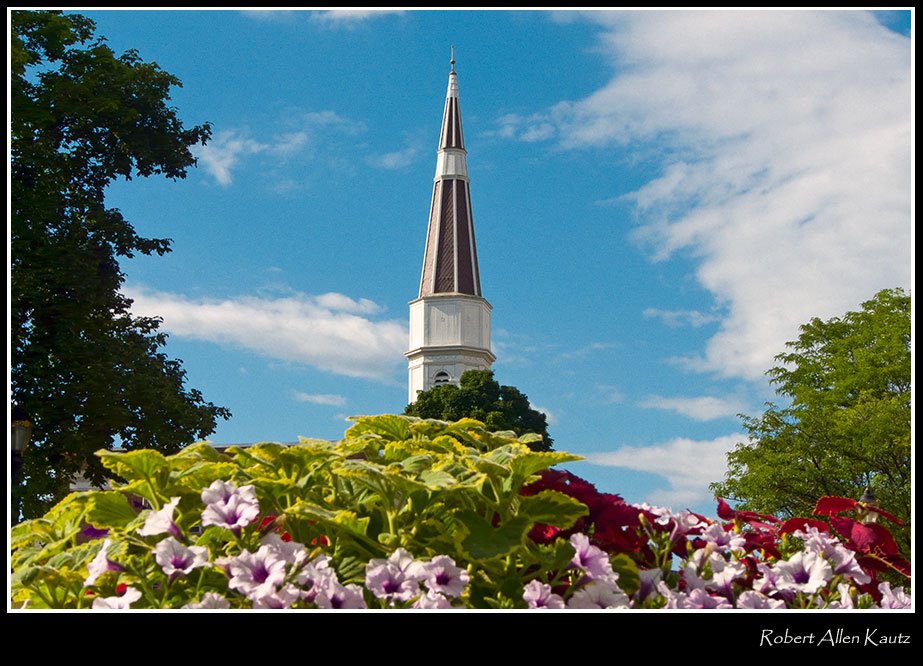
<point>450,263</point>
<point>450,320</point>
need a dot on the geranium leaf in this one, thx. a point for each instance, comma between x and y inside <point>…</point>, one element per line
<point>388,426</point>
<point>485,542</point>
<point>526,465</point>
<point>310,511</point>
<point>110,509</point>
<point>552,508</point>
<point>624,566</point>
<point>144,464</point>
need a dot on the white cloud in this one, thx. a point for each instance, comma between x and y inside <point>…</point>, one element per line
<point>335,301</point>
<point>322,331</point>
<point>688,465</point>
<point>396,160</point>
<point>676,318</point>
<point>704,408</point>
<point>315,119</point>
<point>269,15</point>
<point>302,132</point>
<point>223,153</point>
<point>784,142</point>
<point>609,394</point>
<point>291,142</point>
<point>349,18</point>
<point>584,351</point>
<point>321,398</point>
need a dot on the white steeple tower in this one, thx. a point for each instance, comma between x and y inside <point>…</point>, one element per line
<point>450,320</point>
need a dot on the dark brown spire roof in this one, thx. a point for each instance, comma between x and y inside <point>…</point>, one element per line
<point>450,264</point>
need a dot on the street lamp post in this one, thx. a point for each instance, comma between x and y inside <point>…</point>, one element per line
<point>20,434</point>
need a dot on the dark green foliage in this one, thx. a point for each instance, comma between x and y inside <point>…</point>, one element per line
<point>84,370</point>
<point>848,422</point>
<point>481,397</point>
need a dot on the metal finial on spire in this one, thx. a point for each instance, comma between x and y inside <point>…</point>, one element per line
<point>452,61</point>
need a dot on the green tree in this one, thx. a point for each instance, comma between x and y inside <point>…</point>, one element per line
<point>479,396</point>
<point>87,373</point>
<point>847,423</point>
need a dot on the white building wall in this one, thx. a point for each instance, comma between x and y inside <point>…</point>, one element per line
<point>448,333</point>
<point>439,320</point>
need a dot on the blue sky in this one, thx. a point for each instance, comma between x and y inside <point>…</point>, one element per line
<point>660,199</point>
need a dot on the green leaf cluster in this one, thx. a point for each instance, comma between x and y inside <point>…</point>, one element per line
<point>431,487</point>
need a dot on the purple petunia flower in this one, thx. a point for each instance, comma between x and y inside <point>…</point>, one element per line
<point>599,593</point>
<point>648,583</point>
<point>395,579</point>
<point>161,522</point>
<point>441,575</point>
<point>255,574</point>
<point>751,599</point>
<point>663,514</point>
<point>338,596</point>
<point>845,600</point>
<point>176,559</point>
<point>803,572</point>
<point>701,599</point>
<point>316,577</point>
<point>282,597</point>
<point>229,506</point>
<point>841,559</point>
<point>292,552</point>
<point>100,564</point>
<point>690,572</point>
<point>539,595</point>
<point>698,598</point>
<point>893,598</point>
<point>768,581</point>
<point>210,600</point>
<point>723,574</point>
<point>594,561</point>
<point>432,600</point>
<point>723,539</point>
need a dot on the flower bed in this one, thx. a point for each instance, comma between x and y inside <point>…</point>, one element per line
<point>410,513</point>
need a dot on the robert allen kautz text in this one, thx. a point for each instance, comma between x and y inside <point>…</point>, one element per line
<point>831,637</point>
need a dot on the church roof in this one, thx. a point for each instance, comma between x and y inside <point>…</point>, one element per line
<point>450,263</point>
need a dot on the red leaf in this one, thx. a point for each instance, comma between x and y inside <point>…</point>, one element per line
<point>725,512</point>
<point>871,563</point>
<point>872,538</point>
<point>794,524</point>
<point>763,542</point>
<point>830,506</point>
